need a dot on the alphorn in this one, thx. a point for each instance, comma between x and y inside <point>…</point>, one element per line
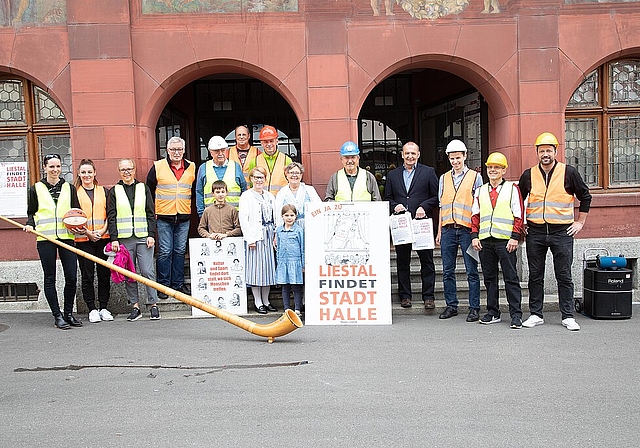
<point>287,323</point>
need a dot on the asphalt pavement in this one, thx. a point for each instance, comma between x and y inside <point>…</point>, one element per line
<point>421,382</point>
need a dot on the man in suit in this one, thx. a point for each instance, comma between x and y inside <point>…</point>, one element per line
<point>413,187</point>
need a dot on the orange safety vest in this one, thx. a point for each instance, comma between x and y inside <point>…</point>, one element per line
<point>173,196</point>
<point>549,204</point>
<point>456,205</point>
<point>233,155</point>
<point>276,178</point>
<point>96,212</point>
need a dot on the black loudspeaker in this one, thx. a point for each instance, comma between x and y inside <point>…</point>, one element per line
<point>607,293</point>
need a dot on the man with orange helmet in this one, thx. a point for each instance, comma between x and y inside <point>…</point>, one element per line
<point>272,160</point>
<point>550,187</point>
<point>496,227</point>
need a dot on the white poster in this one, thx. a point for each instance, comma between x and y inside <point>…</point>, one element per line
<point>423,234</point>
<point>13,189</point>
<point>217,274</point>
<point>401,228</point>
<point>347,276</point>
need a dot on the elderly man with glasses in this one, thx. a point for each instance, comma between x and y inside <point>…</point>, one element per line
<point>170,181</point>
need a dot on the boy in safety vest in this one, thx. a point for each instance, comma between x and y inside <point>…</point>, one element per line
<point>496,227</point>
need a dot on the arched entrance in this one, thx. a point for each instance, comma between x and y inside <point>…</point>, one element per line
<point>216,104</point>
<point>428,106</point>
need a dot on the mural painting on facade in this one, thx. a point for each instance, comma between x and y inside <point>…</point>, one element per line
<point>430,9</point>
<point>217,6</point>
<point>15,12</point>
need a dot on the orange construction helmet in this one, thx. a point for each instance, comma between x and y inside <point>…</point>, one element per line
<point>547,138</point>
<point>268,133</point>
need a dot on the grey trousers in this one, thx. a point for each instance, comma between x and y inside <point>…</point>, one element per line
<point>142,256</point>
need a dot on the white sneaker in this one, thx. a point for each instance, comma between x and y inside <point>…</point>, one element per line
<point>105,314</point>
<point>94,316</point>
<point>533,321</point>
<point>571,324</point>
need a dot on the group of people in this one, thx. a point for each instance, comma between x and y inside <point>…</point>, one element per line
<point>261,196</point>
<point>491,219</point>
<point>133,217</point>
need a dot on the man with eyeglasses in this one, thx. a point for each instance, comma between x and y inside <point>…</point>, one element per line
<point>243,153</point>
<point>170,181</point>
<point>218,168</point>
<point>132,224</point>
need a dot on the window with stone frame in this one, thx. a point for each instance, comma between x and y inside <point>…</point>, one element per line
<point>602,126</point>
<point>32,126</point>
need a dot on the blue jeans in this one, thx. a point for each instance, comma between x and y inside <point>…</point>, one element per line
<point>172,245</point>
<point>561,246</point>
<point>450,240</point>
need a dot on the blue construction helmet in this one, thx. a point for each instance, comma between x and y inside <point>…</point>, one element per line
<point>349,149</point>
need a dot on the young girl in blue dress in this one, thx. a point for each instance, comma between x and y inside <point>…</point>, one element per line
<point>289,242</point>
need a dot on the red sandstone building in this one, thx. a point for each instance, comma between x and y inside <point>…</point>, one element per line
<point>105,80</point>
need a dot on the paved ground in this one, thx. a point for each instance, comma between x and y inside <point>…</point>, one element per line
<point>420,382</point>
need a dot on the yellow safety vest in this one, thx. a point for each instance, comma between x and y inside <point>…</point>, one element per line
<point>552,204</point>
<point>233,189</point>
<point>173,196</point>
<point>359,193</point>
<point>48,218</point>
<point>96,212</point>
<point>456,205</point>
<point>130,222</point>
<point>275,178</point>
<point>496,222</point>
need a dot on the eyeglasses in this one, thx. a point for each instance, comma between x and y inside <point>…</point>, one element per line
<point>51,156</point>
<point>258,177</point>
<point>175,149</point>
<point>295,173</point>
<point>126,170</point>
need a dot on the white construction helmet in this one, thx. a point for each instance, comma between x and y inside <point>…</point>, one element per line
<point>217,142</point>
<point>456,146</point>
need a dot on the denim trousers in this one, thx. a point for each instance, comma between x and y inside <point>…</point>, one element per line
<point>297,296</point>
<point>450,240</point>
<point>494,252</point>
<point>47,252</point>
<point>172,245</point>
<point>561,246</point>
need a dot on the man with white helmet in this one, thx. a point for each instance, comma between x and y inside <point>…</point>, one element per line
<point>456,191</point>
<point>550,187</point>
<point>496,228</point>
<point>352,183</point>
<point>218,168</point>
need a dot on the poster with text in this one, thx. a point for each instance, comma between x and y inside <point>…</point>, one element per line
<point>347,276</point>
<point>217,274</point>
<point>13,189</point>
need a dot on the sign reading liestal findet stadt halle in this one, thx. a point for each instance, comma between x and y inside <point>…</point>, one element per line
<point>13,189</point>
<point>347,278</point>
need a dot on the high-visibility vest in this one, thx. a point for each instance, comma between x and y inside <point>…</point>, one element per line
<point>359,193</point>
<point>48,218</point>
<point>229,178</point>
<point>96,212</point>
<point>496,222</point>
<point>275,178</point>
<point>251,155</point>
<point>456,205</point>
<point>130,222</point>
<point>173,196</point>
<point>549,204</point>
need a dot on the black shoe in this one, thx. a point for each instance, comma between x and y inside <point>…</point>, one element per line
<point>473,315</point>
<point>162,296</point>
<point>71,320</point>
<point>260,309</point>
<point>271,308</point>
<point>516,322</point>
<point>184,289</point>
<point>60,323</point>
<point>448,312</point>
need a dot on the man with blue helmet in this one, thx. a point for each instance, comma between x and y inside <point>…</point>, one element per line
<point>352,183</point>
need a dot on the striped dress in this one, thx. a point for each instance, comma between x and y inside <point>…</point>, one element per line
<point>260,268</point>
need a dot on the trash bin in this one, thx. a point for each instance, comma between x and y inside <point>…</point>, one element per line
<point>607,287</point>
